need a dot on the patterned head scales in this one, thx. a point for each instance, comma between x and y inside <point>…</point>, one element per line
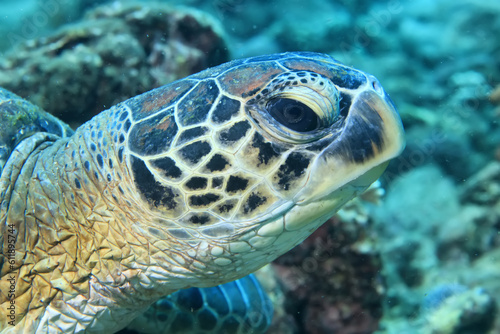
<point>239,163</point>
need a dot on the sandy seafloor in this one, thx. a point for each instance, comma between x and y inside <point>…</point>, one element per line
<point>437,227</point>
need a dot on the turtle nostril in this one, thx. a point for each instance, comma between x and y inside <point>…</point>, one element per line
<point>376,86</point>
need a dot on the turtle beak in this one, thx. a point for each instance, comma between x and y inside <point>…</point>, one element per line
<point>373,132</point>
<point>371,135</point>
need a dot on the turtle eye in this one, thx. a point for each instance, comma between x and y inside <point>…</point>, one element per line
<point>293,114</point>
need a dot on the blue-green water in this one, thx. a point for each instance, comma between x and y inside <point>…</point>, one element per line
<point>437,225</point>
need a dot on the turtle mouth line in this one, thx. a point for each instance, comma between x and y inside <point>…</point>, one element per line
<point>360,183</point>
<point>310,214</point>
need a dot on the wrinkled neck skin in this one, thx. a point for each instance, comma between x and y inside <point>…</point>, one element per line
<point>80,245</point>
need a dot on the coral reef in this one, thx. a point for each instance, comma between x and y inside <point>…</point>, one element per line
<point>441,234</point>
<point>116,52</point>
<point>462,311</point>
<point>330,285</point>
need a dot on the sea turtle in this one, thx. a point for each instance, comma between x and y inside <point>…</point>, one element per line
<point>193,184</point>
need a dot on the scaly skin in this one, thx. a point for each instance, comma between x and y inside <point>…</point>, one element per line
<point>81,245</point>
<point>101,230</point>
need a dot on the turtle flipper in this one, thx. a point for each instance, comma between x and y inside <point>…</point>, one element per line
<point>20,119</point>
<point>240,306</point>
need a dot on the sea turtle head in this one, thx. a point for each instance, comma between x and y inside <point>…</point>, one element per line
<point>236,165</point>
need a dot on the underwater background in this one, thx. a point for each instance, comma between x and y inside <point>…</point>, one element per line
<point>420,256</point>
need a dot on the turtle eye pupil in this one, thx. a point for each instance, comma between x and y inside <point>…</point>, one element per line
<point>293,114</point>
